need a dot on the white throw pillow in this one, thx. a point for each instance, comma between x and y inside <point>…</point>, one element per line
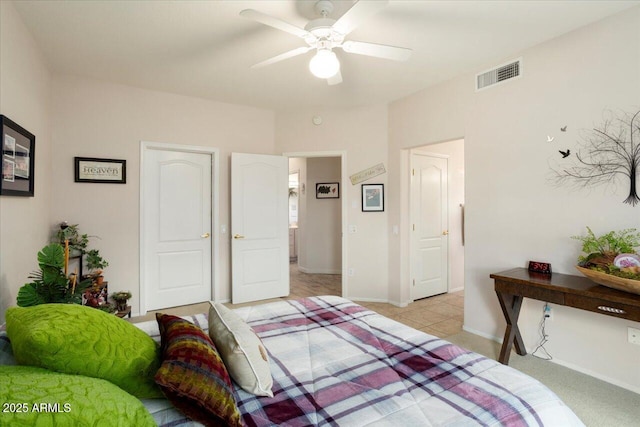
<point>242,351</point>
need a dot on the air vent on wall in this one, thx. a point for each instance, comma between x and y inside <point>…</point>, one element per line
<point>498,74</point>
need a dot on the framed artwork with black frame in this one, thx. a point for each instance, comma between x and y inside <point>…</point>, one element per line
<point>327,190</point>
<point>372,197</point>
<point>103,171</point>
<point>18,159</point>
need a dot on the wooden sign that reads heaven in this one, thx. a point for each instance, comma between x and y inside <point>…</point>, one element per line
<point>105,171</point>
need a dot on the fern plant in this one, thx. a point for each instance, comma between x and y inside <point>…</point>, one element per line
<point>49,284</point>
<point>610,244</point>
<point>601,251</point>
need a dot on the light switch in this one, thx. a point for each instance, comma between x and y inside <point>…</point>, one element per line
<point>353,229</point>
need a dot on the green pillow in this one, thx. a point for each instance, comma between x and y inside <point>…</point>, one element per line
<point>33,396</point>
<point>76,339</point>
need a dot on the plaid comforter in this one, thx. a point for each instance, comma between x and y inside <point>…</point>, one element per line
<point>337,363</point>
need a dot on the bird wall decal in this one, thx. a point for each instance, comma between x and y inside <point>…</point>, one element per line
<point>565,154</point>
<point>564,129</point>
<point>550,138</point>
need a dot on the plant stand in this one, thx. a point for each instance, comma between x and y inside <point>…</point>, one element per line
<point>124,313</point>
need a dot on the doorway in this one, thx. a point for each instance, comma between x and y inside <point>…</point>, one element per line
<point>316,221</point>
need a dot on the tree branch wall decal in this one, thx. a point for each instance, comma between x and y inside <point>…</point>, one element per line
<point>606,154</point>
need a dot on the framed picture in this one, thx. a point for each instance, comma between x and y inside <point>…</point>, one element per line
<point>105,171</point>
<point>328,190</point>
<point>372,197</point>
<point>18,161</point>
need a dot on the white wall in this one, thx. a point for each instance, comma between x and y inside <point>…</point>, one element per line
<point>513,213</point>
<point>98,119</point>
<point>320,237</point>
<point>362,134</point>
<point>25,97</point>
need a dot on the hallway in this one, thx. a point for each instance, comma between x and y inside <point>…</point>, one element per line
<point>306,285</point>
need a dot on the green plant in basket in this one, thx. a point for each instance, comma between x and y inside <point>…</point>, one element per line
<point>599,252</point>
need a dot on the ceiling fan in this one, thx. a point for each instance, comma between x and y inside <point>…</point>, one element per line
<point>324,34</point>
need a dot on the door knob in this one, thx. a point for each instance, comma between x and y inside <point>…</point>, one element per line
<point>238,236</point>
<point>205,235</point>
<point>445,233</point>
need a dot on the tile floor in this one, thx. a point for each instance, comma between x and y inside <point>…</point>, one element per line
<point>440,315</point>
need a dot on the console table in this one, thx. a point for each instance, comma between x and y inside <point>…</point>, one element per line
<point>514,285</point>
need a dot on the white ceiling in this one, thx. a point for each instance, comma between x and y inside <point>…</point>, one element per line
<point>205,49</point>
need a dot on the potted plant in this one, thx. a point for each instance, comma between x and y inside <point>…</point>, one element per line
<point>120,299</point>
<point>50,285</point>
<point>611,259</point>
<point>95,264</point>
<point>108,308</point>
<point>77,242</point>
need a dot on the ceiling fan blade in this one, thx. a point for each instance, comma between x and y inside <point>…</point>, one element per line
<point>274,22</point>
<point>378,50</point>
<point>337,79</point>
<point>358,13</point>
<point>283,56</point>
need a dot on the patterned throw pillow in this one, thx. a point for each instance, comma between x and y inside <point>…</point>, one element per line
<point>242,351</point>
<point>192,374</point>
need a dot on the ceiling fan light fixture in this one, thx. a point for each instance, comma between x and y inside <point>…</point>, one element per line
<point>324,64</point>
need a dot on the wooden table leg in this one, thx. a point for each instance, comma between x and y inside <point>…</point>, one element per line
<point>511,305</point>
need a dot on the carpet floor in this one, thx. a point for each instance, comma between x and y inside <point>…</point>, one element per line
<point>595,402</point>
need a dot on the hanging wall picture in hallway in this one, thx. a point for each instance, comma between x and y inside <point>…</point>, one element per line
<point>328,190</point>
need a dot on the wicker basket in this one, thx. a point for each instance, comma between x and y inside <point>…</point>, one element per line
<point>611,281</point>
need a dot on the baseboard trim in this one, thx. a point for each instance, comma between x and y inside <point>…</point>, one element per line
<point>560,362</point>
<point>482,334</point>
<point>601,377</point>
<point>399,304</point>
<point>319,271</point>
<point>356,299</point>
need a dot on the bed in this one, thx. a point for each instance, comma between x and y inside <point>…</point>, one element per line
<point>334,362</point>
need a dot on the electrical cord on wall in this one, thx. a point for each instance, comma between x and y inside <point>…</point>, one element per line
<point>544,338</point>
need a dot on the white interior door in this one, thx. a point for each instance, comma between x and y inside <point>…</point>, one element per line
<point>429,217</point>
<point>176,228</point>
<point>259,227</point>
